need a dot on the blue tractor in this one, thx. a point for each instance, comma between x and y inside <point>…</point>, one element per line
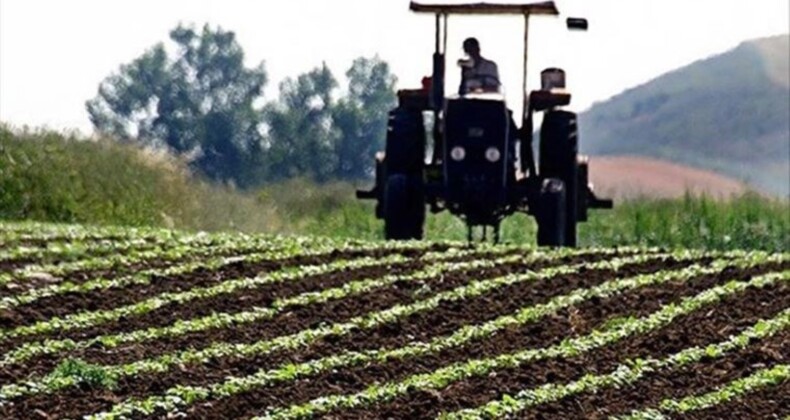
<point>466,155</point>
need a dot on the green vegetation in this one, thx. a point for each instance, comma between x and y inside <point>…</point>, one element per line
<point>634,369</point>
<point>728,113</point>
<point>85,374</point>
<point>53,177</point>
<point>198,101</point>
<point>87,356</point>
<point>763,378</point>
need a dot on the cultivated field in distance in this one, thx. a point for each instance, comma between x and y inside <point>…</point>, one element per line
<point>131,323</point>
<point>634,177</point>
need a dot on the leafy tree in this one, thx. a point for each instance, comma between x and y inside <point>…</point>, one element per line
<point>300,127</point>
<point>200,103</point>
<point>312,134</point>
<point>361,117</point>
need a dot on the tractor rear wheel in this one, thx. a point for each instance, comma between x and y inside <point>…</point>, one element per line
<point>559,151</point>
<point>404,207</point>
<point>551,216</point>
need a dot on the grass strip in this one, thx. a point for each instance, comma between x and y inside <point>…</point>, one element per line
<point>181,396</point>
<point>442,378</point>
<point>759,380</point>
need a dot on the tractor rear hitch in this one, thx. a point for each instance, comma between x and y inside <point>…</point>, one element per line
<point>367,195</point>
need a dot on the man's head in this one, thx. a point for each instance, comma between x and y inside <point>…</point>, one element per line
<point>472,47</point>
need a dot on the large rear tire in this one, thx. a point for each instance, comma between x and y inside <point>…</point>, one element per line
<point>551,215</point>
<point>404,207</point>
<point>559,150</point>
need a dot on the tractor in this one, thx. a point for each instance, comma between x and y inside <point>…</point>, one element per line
<point>465,154</point>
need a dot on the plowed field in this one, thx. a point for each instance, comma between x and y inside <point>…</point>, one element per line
<point>121,323</point>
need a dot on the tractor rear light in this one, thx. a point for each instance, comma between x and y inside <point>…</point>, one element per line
<point>493,155</point>
<point>458,153</point>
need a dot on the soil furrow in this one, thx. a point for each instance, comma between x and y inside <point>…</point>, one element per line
<point>299,318</point>
<point>770,403</point>
<point>286,323</point>
<point>715,324</point>
<point>60,305</point>
<point>234,302</point>
<point>219,369</point>
<point>695,379</point>
<point>77,277</point>
<point>575,321</point>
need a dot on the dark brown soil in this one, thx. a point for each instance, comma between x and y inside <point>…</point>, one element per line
<point>426,325</point>
<point>772,403</point>
<point>718,323</point>
<point>106,299</point>
<point>575,321</point>
<point>234,302</point>
<point>695,379</point>
<point>715,324</point>
<point>287,324</point>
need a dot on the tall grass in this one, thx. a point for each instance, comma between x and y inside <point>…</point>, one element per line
<point>748,221</point>
<point>50,177</point>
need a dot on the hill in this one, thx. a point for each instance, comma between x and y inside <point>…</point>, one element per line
<point>729,113</point>
<point>633,177</point>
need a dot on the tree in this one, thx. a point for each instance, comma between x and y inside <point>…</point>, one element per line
<point>314,135</point>
<point>361,117</point>
<point>201,104</point>
<point>300,127</point>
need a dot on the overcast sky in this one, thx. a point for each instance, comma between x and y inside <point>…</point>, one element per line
<point>54,53</point>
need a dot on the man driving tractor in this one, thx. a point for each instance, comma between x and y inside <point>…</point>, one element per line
<point>482,167</point>
<point>478,74</point>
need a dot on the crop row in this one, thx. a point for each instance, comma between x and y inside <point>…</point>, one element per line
<point>218,255</point>
<point>763,378</point>
<point>72,250</point>
<point>368,321</point>
<point>172,249</point>
<point>221,250</point>
<point>569,348</point>
<point>12,232</point>
<point>632,370</point>
<point>223,320</point>
<point>349,289</point>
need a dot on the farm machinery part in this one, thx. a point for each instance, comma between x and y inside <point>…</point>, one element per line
<point>481,167</point>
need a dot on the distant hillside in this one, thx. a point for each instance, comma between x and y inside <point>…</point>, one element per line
<point>729,113</point>
<point>625,177</point>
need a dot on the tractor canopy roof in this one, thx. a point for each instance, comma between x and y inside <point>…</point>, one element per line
<point>504,7</point>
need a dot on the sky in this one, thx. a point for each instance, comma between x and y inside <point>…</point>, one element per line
<point>54,53</point>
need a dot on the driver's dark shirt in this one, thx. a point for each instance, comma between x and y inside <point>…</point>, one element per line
<point>484,75</point>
